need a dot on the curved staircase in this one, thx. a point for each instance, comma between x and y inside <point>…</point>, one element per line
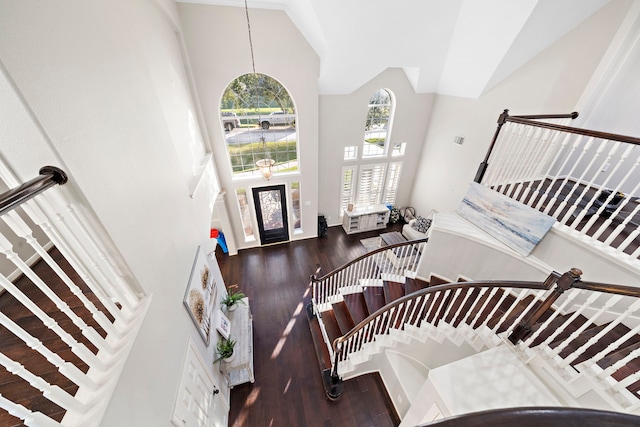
<point>579,341</point>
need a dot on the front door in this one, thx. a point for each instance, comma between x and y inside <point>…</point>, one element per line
<point>271,212</point>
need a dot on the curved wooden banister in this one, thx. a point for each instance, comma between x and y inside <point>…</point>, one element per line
<point>630,291</point>
<point>435,289</point>
<point>314,278</point>
<point>49,176</point>
<point>574,130</point>
<point>547,416</point>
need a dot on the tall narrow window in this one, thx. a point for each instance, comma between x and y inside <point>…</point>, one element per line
<point>370,184</point>
<point>378,125</point>
<point>393,178</point>
<point>295,204</point>
<point>258,118</point>
<point>245,214</point>
<point>347,187</point>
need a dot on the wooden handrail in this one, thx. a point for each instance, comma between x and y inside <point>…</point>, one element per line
<point>607,288</point>
<point>530,120</point>
<point>568,280</point>
<point>579,131</point>
<point>547,416</point>
<point>49,176</point>
<point>438,288</point>
<point>314,278</point>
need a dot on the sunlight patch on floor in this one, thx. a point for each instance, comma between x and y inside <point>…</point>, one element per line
<point>251,399</point>
<point>287,330</point>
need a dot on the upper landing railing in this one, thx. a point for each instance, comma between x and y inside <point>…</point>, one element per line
<point>588,180</point>
<point>69,307</point>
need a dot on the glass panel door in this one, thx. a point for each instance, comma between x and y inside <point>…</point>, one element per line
<point>271,212</point>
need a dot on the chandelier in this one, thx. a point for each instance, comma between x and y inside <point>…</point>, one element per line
<point>265,164</point>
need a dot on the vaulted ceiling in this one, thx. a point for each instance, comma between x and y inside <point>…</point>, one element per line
<point>451,47</point>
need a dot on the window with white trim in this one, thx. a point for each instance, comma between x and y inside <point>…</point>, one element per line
<point>258,118</point>
<point>393,178</point>
<point>347,187</point>
<point>370,184</point>
<point>377,128</point>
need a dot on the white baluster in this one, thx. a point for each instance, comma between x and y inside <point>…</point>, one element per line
<point>612,173</point>
<point>485,303</point>
<point>39,218</point>
<point>595,176</point>
<point>88,331</point>
<point>78,348</point>
<point>68,369</point>
<point>619,364</point>
<point>570,184</point>
<point>615,213</point>
<point>570,295</point>
<point>30,418</point>
<point>52,392</point>
<point>592,319</point>
<point>579,351</point>
<point>545,199</point>
<point>519,296</point>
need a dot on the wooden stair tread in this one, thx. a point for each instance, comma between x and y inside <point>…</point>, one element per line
<point>374,298</point>
<point>413,285</point>
<point>618,331</point>
<point>357,306</point>
<point>343,317</point>
<point>392,291</point>
<point>437,280</point>
<point>330,325</point>
<point>512,311</point>
<point>620,354</point>
<point>466,308</point>
<point>560,322</point>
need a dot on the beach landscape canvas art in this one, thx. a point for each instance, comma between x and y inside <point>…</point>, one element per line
<point>516,225</point>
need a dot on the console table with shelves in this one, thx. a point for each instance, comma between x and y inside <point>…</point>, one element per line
<point>365,218</point>
<point>240,369</point>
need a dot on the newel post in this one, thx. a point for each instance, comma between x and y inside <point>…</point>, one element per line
<point>502,119</point>
<point>564,282</point>
<point>333,386</point>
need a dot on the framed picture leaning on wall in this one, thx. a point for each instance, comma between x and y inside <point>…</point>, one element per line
<point>200,296</point>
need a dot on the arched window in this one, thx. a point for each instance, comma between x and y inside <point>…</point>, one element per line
<point>365,183</point>
<point>259,121</point>
<point>377,128</point>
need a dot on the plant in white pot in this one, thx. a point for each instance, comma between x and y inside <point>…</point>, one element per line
<point>232,298</point>
<point>225,349</point>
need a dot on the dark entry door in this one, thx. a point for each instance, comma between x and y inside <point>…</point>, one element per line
<point>271,212</point>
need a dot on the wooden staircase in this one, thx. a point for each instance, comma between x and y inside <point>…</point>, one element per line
<point>575,338</point>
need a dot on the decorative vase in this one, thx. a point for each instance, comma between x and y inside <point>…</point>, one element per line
<point>230,358</point>
<point>231,307</point>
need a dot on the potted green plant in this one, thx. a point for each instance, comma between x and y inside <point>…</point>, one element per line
<point>225,349</point>
<point>232,298</point>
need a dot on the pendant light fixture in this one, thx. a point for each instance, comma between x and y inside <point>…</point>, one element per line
<point>266,163</point>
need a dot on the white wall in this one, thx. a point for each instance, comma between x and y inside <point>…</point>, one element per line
<point>99,89</point>
<point>218,46</point>
<point>343,119</point>
<point>550,83</point>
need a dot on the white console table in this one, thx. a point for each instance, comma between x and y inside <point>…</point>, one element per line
<point>240,369</point>
<point>365,218</point>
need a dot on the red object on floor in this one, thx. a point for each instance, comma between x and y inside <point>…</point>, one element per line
<point>214,233</point>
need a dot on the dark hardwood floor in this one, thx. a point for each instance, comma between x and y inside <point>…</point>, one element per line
<point>288,388</point>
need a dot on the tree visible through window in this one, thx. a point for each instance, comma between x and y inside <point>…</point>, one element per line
<point>259,120</point>
<point>378,124</point>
